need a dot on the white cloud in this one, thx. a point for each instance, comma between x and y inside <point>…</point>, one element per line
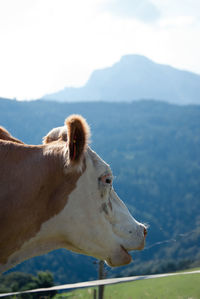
<point>172,8</point>
<point>49,44</point>
<point>143,10</point>
<point>180,21</point>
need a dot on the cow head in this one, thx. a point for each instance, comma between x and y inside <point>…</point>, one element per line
<point>94,221</point>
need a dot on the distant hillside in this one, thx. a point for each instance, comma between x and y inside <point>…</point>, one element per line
<point>135,77</point>
<point>153,149</point>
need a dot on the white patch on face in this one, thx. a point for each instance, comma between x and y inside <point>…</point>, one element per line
<point>95,220</point>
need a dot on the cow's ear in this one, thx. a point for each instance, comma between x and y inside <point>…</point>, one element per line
<point>78,133</point>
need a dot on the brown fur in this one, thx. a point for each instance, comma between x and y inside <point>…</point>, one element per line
<point>34,188</point>
<point>55,135</point>
<point>75,125</point>
<point>79,134</point>
<point>5,135</point>
<point>47,139</point>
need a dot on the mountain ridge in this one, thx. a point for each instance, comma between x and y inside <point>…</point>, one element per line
<point>135,77</point>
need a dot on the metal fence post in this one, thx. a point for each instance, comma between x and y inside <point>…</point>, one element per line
<point>101,276</point>
<point>94,294</point>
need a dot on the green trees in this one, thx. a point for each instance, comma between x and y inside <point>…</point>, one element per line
<point>15,282</point>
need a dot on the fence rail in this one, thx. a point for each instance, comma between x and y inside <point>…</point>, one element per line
<point>95,283</point>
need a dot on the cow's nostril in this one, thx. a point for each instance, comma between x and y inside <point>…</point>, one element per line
<point>145,231</point>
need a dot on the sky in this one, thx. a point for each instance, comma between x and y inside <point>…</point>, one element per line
<point>46,45</point>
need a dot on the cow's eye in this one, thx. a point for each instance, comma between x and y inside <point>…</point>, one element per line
<point>108,181</point>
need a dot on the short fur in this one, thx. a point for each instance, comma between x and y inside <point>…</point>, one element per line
<point>56,195</point>
<point>56,134</point>
<point>78,133</point>
<point>5,135</point>
<point>31,179</point>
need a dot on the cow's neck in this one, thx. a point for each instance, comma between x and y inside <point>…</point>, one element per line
<point>42,192</point>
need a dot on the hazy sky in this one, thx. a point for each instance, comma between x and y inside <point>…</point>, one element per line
<point>46,45</point>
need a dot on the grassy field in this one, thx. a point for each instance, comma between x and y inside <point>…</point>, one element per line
<point>175,287</point>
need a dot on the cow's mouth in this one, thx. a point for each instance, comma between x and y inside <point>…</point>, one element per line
<point>127,254</point>
<point>122,258</point>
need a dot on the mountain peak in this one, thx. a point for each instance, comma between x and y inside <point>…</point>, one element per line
<point>136,77</point>
<point>134,58</point>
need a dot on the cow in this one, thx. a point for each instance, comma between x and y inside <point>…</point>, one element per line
<point>59,194</point>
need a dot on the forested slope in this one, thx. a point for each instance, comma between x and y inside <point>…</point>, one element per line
<point>154,151</point>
